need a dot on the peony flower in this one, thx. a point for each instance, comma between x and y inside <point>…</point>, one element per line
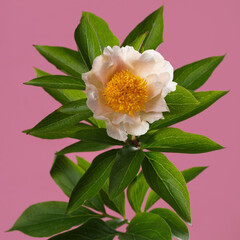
<point>127,89</point>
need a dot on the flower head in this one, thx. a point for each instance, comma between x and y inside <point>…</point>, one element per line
<point>127,89</point>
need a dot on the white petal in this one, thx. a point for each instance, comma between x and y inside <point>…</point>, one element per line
<point>170,87</point>
<point>137,129</point>
<point>95,101</point>
<point>151,116</point>
<point>117,132</point>
<point>103,68</point>
<point>156,104</point>
<point>156,84</point>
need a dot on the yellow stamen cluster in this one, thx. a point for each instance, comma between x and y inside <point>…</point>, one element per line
<point>126,93</point>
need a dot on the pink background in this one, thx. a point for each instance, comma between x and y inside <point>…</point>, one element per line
<point>193,30</point>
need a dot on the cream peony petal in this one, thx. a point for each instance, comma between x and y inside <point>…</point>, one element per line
<point>137,129</point>
<point>117,132</point>
<point>94,102</point>
<point>103,69</point>
<point>156,104</point>
<point>91,79</point>
<point>151,116</point>
<point>152,62</point>
<point>156,83</point>
<point>170,87</point>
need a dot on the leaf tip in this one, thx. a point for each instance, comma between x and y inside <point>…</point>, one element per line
<point>27,131</point>
<point>161,8</point>
<point>224,55</point>
<point>10,230</point>
<point>36,47</point>
<point>221,147</point>
<point>58,153</point>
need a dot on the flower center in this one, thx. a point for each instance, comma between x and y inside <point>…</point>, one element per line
<point>126,93</point>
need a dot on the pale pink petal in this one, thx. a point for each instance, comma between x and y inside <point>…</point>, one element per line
<point>117,132</point>
<point>151,116</point>
<point>95,102</point>
<point>156,84</point>
<point>137,129</point>
<point>170,87</point>
<point>156,104</point>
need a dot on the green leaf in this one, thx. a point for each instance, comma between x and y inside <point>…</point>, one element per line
<point>97,123</point>
<point>124,170</point>
<point>59,133</point>
<point>178,227</point>
<point>136,192</point>
<point>194,75</point>
<point>57,121</point>
<point>65,59</point>
<point>76,107</point>
<point>116,223</point>
<point>83,147</point>
<point>95,203</point>
<point>152,198</point>
<point>61,95</point>
<point>191,173</point>
<point>93,180</point>
<point>153,25</point>
<point>93,229</point>
<point>65,173</point>
<point>48,218</point>
<point>137,44</point>
<point>165,179</point>
<point>83,163</point>
<point>117,204</point>
<point>188,175</point>
<point>181,100</point>
<point>92,36</point>
<point>96,135</point>
<point>58,82</point>
<point>175,140</point>
<point>206,99</point>
<point>147,226</point>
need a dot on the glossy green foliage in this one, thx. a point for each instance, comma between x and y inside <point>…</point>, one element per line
<point>94,229</point>
<point>165,179</point>
<point>181,100</point>
<point>92,36</point>
<point>117,204</point>
<point>147,226</point>
<point>194,75</point>
<point>84,147</point>
<point>153,26</point>
<point>124,170</point>
<point>65,59</point>
<point>58,82</point>
<point>93,180</point>
<point>61,95</point>
<point>66,174</point>
<point>136,192</point>
<point>178,227</point>
<point>175,140</point>
<point>48,218</point>
<point>188,174</point>
<point>206,99</point>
